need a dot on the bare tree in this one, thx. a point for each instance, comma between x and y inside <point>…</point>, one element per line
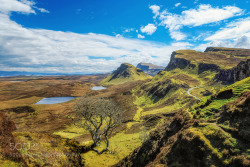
<point>99,116</point>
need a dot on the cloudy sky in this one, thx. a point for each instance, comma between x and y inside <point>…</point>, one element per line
<point>96,36</point>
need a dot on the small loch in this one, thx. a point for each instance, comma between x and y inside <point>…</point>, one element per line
<point>98,88</point>
<point>55,100</point>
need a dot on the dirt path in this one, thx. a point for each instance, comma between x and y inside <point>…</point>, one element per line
<point>188,92</point>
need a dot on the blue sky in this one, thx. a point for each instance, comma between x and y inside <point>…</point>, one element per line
<point>95,36</point>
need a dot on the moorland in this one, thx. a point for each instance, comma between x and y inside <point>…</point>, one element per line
<point>195,112</point>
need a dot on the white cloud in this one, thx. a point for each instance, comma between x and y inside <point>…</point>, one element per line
<point>177,35</point>
<point>39,50</point>
<point>177,4</point>
<point>242,42</point>
<point>149,29</point>
<point>22,6</point>
<point>42,10</point>
<point>140,36</point>
<point>15,6</point>
<point>204,14</point>
<point>129,30</point>
<point>233,30</point>
<point>155,9</point>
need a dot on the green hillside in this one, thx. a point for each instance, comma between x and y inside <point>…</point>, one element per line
<point>125,73</point>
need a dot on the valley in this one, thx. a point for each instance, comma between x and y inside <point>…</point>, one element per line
<point>188,114</point>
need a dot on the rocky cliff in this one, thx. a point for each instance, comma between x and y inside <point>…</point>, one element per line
<point>150,68</point>
<point>241,71</point>
<point>213,59</point>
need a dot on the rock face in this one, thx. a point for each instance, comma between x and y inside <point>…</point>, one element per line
<point>125,73</point>
<point>178,63</point>
<point>231,64</point>
<point>235,74</point>
<point>182,63</point>
<point>150,68</point>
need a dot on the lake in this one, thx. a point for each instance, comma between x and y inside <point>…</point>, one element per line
<point>98,88</point>
<point>54,100</point>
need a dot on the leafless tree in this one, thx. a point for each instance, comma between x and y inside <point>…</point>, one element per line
<point>100,117</point>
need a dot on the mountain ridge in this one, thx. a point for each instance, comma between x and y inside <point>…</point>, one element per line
<point>150,68</point>
<point>125,73</point>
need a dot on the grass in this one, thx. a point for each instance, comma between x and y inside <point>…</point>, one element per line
<point>239,86</point>
<point>218,58</point>
<point>8,163</point>
<point>208,112</point>
<point>19,102</point>
<point>125,73</point>
<point>121,145</point>
<point>216,140</point>
<point>37,148</point>
<point>138,114</point>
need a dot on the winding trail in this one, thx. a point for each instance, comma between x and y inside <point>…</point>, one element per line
<point>188,92</point>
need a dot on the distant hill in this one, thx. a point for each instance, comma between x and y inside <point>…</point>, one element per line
<point>125,73</point>
<point>150,68</point>
<point>213,58</point>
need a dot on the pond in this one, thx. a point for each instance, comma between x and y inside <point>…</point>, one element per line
<point>98,88</point>
<point>55,100</point>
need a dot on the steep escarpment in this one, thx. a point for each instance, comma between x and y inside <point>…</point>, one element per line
<point>213,59</point>
<point>150,68</point>
<point>125,73</point>
<point>241,71</point>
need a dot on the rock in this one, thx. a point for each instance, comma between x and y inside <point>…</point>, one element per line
<point>178,63</point>
<point>241,71</point>
<point>150,68</point>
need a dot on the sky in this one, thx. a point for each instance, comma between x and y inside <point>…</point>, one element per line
<point>96,36</point>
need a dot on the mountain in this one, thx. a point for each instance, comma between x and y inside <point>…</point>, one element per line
<point>213,59</point>
<point>150,68</point>
<point>211,130</point>
<point>125,73</point>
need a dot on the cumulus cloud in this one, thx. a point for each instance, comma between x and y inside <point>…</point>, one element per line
<point>149,29</point>
<point>155,9</point>
<point>204,14</point>
<point>15,6</point>
<point>233,30</point>
<point>40,50</point>
<point>140,36</point>
<point>177,35</point>
<point>22,6</point>
<point>242,42</point>
<point>177,4</point>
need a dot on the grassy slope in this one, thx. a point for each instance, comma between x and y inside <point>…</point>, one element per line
<point>224,59</point>
<point>133,75</point>
<point>165,93</point>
